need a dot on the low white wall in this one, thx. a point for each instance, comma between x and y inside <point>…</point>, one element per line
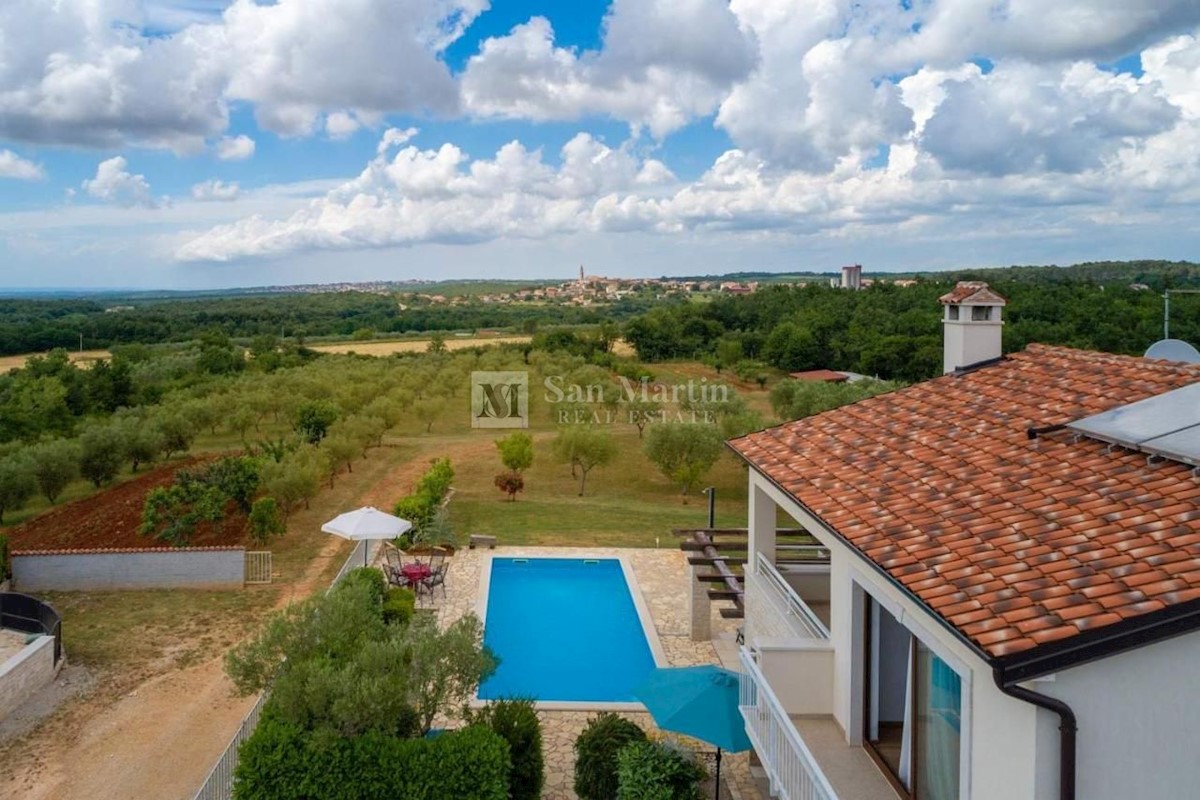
<point>92,570</point>
<point>800,675</point>
<point>25,673</point>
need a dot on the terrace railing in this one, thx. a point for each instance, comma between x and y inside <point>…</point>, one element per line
<point>791,768</point>
<point>219,783</point>
<point>806,623</point>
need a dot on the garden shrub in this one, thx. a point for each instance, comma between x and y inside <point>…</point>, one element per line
<point>658,771</point>
<point>417,509</point>
<point>265,520</point>
<point>436,481</point>
<point>422,506</point>
<point>369,577</point>
<point>282,761</point>
<point>516,720</point>
<point>399,606</point>
<point>596,755</point>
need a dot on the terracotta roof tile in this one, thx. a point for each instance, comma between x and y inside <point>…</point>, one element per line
<point>1017,542</point>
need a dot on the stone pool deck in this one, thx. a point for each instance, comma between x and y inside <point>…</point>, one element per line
<point>662,577</point>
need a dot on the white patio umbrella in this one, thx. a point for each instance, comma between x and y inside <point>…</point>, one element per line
<point>366,523</point>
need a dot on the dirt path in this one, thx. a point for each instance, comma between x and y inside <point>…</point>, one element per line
<point>159,741</point>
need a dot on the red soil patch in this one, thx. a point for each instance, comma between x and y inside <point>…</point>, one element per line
<point>112,519</point>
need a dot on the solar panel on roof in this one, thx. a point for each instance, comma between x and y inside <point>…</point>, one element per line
<point>1183,445</point>
<point>1132,424</point>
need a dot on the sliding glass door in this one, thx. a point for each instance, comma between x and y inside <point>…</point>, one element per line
<point>913,710</point>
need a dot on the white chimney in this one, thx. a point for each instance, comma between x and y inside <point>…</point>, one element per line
<point>972,325</point>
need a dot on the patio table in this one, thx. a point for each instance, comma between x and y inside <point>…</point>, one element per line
<point>416,572</point>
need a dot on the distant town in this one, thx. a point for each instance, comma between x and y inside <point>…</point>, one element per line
<point>584,290</point>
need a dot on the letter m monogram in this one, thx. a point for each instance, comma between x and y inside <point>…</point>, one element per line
<point>500,399</point>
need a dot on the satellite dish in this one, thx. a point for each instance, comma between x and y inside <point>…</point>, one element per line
<point>1174,350</point>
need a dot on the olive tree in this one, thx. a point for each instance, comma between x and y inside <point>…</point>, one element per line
<point>55,465</point>
<point>684,451</point>
<point>17,483</point>
<point>102,452</point>
<point>584,447</point>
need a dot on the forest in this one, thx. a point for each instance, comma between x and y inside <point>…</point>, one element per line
<point>895,332</point>
<point>38,325</point>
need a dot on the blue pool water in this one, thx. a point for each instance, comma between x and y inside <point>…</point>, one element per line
<point>564,629</point>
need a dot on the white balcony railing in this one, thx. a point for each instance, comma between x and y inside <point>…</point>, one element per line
<point>790,766</point>
<point>787,602</point>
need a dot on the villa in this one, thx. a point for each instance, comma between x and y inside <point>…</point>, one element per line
<point>1005,600</point>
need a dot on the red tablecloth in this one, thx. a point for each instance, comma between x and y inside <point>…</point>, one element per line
<point>416,573</point>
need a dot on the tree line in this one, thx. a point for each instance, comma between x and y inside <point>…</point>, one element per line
<point>36,325</point>
<point>895,332</point>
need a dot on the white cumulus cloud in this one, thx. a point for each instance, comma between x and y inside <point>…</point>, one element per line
<point>235,148</point>
<point>661,65</point>
<point>115,184</point>
<point>17,168</point>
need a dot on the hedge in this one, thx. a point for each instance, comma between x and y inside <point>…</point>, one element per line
<point>399,606</point>
<point>657,771</point>
<point>283,762</point>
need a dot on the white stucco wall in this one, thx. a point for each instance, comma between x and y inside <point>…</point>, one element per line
<point>1138,724</point>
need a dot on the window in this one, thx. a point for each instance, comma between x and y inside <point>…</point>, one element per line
<point>912,714</point>
<point>951,312</point>
<point>981,313</point>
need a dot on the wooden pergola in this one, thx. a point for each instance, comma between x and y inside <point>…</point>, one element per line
<point>725,552</point>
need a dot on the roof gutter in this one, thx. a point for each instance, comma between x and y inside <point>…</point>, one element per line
<point>1067,728</point>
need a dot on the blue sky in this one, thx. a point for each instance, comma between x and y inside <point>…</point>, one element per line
<point>205,143</point>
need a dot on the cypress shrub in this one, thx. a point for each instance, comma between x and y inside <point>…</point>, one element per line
<point>596,755</point>
<point>517,722</point>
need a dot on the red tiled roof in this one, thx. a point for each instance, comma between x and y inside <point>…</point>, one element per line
<point>973,291</point>
<point>818,375</point>
<point>1015,542</point>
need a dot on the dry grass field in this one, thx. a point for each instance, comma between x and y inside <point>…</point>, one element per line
<point>380,348</point>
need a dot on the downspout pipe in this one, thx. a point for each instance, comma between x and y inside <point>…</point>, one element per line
<point>1067,728</point>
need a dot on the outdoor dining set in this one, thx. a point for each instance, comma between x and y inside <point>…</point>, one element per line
<point>411,572</point>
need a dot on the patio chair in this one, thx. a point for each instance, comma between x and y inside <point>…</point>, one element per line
<point>436,559</point>
<point>438,578</point>
<point>393,556</point>
<point>395,577</point>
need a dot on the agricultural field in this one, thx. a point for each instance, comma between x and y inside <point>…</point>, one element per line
<point>113,518</point>
<point>387,348</point>
<point>79,358</point>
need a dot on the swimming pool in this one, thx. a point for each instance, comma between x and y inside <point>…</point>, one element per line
<point>566,630</point>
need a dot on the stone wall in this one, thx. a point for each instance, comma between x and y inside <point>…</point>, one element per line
<point>25,673</point>
<point>158,568</point>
